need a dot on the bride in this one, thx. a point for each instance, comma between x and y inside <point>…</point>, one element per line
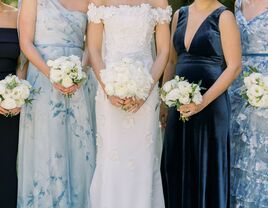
<point>128,164</point>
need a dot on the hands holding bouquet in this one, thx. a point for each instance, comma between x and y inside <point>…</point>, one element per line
<point>66,74</point>
<point>14,93</point>
<point>127,83</point>
<point>185,96</point>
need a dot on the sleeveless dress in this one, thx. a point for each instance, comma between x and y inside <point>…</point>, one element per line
<point>128,147</point>
<point>195,163</point>
<point>56,147</point>
<point>9,127</point>
<point>249,173</point>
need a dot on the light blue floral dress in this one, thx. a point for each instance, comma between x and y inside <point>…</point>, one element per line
<point>250,126</point>
<point>57,147</point>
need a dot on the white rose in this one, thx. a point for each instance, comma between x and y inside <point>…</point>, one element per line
<point>255,77</point>
<point>25,92</point>
<point>67,82</point>
<point>197,98</point>
<point>167,86</point>
<point>254,102</point>
<point>184,100</point>
<point>256,90</point>
<point>120,91</point>
<point>247,82</point>
<point>56,75</point>
<point>20,102</point>
<point>8,104</point>
<point>50,63</point>
<point>16,93</point>
<point>2,89</point>
<point>173,95</point>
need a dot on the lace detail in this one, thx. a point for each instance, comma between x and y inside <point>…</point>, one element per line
<point>163,15</point>
<point>95,14</point>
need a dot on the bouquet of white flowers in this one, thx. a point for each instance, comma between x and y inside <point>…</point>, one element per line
<point>66,71</point>
<point>179,91</point>
<point>127,79</point>
<point>14,93</point>
<point>255,89</point>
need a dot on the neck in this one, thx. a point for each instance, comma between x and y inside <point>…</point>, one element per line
<point>204,4</point>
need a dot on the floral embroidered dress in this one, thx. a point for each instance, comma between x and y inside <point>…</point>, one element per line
<point>56,148</point>
<point>250,126</point>
<point>128,157</point>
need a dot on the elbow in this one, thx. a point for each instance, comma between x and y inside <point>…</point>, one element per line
<point>25,44</point>
<point>236,69</point>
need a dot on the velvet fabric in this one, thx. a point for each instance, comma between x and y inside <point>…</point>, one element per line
<point>195,163</point>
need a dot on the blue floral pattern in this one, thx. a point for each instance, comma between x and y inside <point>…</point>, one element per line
<point>250,126</point>
<point>57,145</point>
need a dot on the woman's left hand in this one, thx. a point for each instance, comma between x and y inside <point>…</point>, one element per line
<point>189,110</point>
<point>14,112</point>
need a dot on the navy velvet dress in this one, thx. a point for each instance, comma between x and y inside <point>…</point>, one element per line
<point>9,127</point>
<point>195,163</point>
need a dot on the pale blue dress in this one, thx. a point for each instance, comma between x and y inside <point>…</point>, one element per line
<point>249,183</point>
<point>56,157</point>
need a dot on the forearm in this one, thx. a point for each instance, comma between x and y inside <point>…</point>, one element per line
<point>159,66</point>
<point>221,85</point>
<point>169,72</point>
<point>22,71</point>
<point>34,57</point>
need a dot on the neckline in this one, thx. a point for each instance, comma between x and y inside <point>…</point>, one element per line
<point>122,6</point>
<point>198,29</point>
<point>68,10</point>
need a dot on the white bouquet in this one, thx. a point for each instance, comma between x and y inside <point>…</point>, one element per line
<point>127,79</point>
<point>179,91</point>
<point>66,71</point>
<point>14,93</point>
<point>255,89</point>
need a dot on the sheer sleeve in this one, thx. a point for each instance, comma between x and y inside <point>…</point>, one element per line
<point>95,13</point>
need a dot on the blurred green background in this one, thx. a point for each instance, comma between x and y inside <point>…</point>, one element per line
<point>175,3</point>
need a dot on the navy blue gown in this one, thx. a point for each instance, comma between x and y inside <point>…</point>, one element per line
<point>9,127</point>
<point>195,163</point>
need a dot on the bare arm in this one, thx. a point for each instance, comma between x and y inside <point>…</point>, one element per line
<point>162,45</point>
<point>230,39</point>
<point>172,60</point>
<point>27,19</point>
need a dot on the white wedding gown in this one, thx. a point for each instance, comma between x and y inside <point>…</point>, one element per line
<point>128,156</point>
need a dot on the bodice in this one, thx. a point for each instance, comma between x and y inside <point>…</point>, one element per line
<point>58,26</point>
<point>9,51</point>
<point>128,30</point>
<point>206,44</point>
<point>253,32</point>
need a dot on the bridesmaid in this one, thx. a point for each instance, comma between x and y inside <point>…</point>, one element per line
<point>9,126</point>
<point>249,146</point>
<point>195,165</point>
<point>56,147</point>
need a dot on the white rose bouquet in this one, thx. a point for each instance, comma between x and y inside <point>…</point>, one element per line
<point>179,91</point>
<point>67,71</point>
<point>255,89</point>
<point>14,93</point>
<point>127,79</point>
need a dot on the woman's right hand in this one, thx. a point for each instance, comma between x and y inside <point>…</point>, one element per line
<point>116,101</point>
<point>66,91</point>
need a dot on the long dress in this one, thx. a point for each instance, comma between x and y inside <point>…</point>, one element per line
<point>56,145</point>
<point>195,163</point>
<point>128,160</point>
<point>249,184</point>
<point>9,127</point>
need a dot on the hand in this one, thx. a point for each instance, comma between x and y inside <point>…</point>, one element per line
<point>138,104</point>
<point>66,91</point>
<point>116,101</point>
<point>3,111</point>
<point>129,104</point>
<point>190,109</point>
<point>163,115</point>
<point>15,111</point>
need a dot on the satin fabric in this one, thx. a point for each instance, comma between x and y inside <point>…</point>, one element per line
<point>195,163</point>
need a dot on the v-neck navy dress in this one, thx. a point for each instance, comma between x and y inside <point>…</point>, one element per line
<point>9,127</point>
<point>195,164</point>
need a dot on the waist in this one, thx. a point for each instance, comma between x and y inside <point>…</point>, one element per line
<point>58,45</point>
<point>8,65</point>
<point>139,56</point>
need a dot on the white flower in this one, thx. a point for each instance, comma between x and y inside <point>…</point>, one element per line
<point>20,103</point>
<point>8,104</point>
<point>56,75</point>
<point>173,95</point>
<point>109,89</point>
<point>2,89</point>
<point>256,91</point>
<point>264,101</point>
<point>184,100</point>
<point>197,98</point>
<point>67,82</point>
<point>167,86</point>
